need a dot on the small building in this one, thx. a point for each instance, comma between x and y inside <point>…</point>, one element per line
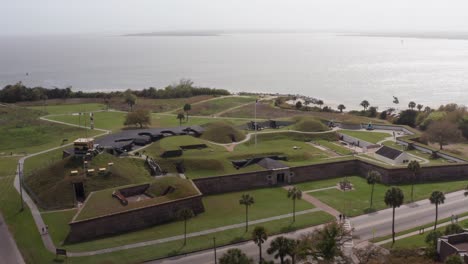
<point>391,155</point>
<point>279,172</point>
<point>453,244</point>
<point>82,146</point>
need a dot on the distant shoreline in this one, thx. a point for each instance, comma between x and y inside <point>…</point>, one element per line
<point>176,34</point>
<point>416,35</point>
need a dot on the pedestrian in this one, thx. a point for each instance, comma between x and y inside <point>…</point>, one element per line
<point>42,231</point>
<point>340,217</point>
<point>47,229</point>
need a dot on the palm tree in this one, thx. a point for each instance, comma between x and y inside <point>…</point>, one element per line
<point>295,194</point>
<point>181,117</point>
<point>235,255</point>
<point>341,107</point>
<point>419,107</point>
<point>259,236</point>
<point>372,178</point>
<point>437,197</point>
<point>187,108</point>
<point>280,246</point>
<point>185,214</point>
<point>246,200</point>
<point>414,167</point>
<point>364,104</point>
<point>394,197</point>
<point>412,105</point>
<point>320,103</point>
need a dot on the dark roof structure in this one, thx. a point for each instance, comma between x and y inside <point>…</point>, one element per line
<point>389,153</point>
<point>271,164</point>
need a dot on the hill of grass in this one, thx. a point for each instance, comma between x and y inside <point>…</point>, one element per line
<point>102,203</point>
<point>309,124</point>
<point>52,185</point>
<point>218,105</point>
<point>222,132</point>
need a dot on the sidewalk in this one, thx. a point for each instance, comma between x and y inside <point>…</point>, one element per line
<point>427,229</point>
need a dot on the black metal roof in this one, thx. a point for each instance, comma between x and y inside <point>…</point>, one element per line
<point>388,152</point>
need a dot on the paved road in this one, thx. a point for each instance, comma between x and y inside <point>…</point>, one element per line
<point>9,253</point>
<point>407,216</point>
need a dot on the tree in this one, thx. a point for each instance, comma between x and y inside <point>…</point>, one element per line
<point>372,111</point>
<point>259,236</point>
<point>431,241</point>
<point>298,105</point>
<point>368,254</point>
<point>407,117</point>
<point>436,198</point>
<point>324,243</point>
<point>443,132</point>
<point>235,256</point>
<point>320,103</point>
<point>295,194</point>
<point>412,105</point>
<point>414,167</point>
<point>187,108</point>
<point>140,117</point>
<point>246,200</point>
<point>280,246</point>
<point>419,107</point>
<point>364,104</point>
<point>185,214</point>
<point>394,197</point>
<point>373,177</point>
<point>130,99</point>
<point>453,229</point>
<point>181,117</point>
<point>453,259</point>
<point>341,107</point>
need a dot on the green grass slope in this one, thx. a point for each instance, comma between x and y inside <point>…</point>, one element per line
<point>309,124</point>
<point>222,132</point>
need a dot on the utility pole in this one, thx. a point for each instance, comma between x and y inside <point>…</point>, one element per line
<point>214,248</point>
<point>20,185</point>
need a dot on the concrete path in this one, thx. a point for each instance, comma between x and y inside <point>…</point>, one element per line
<point>317,203</point>
<point>321,189</point>
<point>195,234</point>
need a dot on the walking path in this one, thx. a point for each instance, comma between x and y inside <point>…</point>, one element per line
<point>317,203</point>
<point>321,189</point>
<point>179,237</point>
<point>8,250</point>
<point>383,242</point>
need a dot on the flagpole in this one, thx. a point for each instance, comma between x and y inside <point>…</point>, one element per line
<point>255,120</point>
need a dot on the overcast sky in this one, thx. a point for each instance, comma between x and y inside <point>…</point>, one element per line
<point>26,17</point>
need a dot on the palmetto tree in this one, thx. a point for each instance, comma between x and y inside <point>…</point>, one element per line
<point>185,214</point>
<point>394,197</point>
<point>295,194</point>
<point>364,104</point>
<point>414,167</point>
<point>341,107</point>
<point>412,105</point>
<point>181,117</point>
<point>372,178</point>
<point>246,200</point>
<point>280,246</point>
<point>259,236</point>
<point>419,107</point>
<point>187,108</point>
<point>437,197</point>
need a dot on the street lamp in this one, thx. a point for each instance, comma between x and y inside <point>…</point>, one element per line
<point>214,249</point>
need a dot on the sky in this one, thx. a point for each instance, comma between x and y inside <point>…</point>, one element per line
<point>39,17</point>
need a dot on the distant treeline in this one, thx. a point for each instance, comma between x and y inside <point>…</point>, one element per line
<point>19,92</point>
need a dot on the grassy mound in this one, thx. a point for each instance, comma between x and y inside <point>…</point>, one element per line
<point>222,132</point>
<point>52,185</point>
<point>102,203</point>
<point>309,124</point>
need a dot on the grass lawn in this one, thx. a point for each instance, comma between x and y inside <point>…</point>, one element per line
<point>22,132</point>
<point>372,137</point>
<point>355,202</point>
<point>218,105</point>
<point>170,120</point>
<point>334,146</point>
<point>8,166</point>
<point>68,108</point>
<point>215,160</point>
<point>104,120</point>
<point>220,210</point>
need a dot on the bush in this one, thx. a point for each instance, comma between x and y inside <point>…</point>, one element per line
<point>407,117</point>
<point>453,259</point>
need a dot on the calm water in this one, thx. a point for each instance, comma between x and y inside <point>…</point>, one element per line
<point>338,69</point>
